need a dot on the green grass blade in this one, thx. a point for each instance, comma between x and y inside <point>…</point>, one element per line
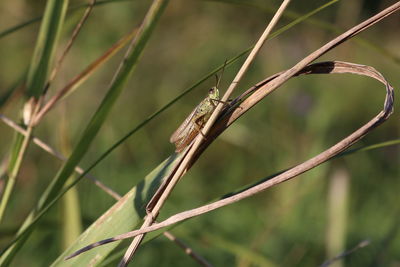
<point>15,28</point>
<point>45,46</point>
<point>123,216</point>
<point>71,218</point>
<point>37,76</point>
<point>98,119</point>
<point>367,148</point>
<point>5,196</point>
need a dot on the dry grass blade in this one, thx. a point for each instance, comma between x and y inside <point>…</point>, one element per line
<point>318,68</point>
<point>150,218</point>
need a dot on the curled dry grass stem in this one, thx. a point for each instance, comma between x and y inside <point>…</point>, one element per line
<point>258,93</point>
<point>318,68</point>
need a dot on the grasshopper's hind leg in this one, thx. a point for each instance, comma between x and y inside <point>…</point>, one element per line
<point>219,101</point>
<point>199,129</point>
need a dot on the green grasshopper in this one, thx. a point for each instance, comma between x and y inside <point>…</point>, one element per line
<point>192,125</point>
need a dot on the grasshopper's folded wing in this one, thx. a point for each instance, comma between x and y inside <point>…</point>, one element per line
<point>183,129</point>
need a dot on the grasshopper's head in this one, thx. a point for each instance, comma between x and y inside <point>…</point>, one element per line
<point>213,93</point>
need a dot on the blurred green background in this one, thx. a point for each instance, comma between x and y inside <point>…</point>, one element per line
<point>302,222</point>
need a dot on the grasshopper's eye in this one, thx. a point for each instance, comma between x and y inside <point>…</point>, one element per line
<point>211,91</point>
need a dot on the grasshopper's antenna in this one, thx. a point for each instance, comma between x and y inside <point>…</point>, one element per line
<point>222,74</point>
<point>216,80</point>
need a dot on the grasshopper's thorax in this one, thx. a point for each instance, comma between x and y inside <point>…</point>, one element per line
<point>207,106</point>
